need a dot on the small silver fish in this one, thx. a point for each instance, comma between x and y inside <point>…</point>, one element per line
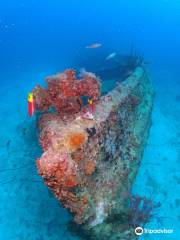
<point>112,55</point>
<point>94,45</point>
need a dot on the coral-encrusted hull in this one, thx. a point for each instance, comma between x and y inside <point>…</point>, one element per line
<point>90,164</point>
<point>65,90</point>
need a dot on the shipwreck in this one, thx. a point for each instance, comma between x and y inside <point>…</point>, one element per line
<point>92,146</point>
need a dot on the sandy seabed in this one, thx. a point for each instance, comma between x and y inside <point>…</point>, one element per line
<point>159,175</point>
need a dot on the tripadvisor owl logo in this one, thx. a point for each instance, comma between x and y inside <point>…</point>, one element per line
<point>139,231</point>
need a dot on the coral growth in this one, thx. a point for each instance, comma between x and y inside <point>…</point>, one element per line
<point>85,199</point>
<point>140,210</point>
<point>59,173</point>
<point>64,92</point>
<point>90,167</point>
<point>75,140</point>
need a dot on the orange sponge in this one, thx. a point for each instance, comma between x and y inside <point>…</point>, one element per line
<point>76,140</point>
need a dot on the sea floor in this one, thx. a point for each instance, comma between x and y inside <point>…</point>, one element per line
<point>159,175</point>
<point>28,211</point>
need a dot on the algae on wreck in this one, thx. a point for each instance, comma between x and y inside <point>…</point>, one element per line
<point>92,173</point>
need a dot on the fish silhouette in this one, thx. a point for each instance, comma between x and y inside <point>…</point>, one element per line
<point>112,55</point>
<point>95,45</point>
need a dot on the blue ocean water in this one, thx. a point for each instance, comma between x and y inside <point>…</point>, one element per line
<point>39,38</point>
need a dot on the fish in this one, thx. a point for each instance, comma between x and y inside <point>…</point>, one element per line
<point>94,45</point>
<point>112,55</point>
<point>31,105</point>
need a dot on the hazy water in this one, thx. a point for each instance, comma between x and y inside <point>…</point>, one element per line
<point>38,38</point>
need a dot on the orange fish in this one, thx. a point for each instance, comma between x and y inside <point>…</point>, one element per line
<point>95,45</point>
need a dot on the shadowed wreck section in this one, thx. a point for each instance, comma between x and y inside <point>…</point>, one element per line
<point>90,163</point>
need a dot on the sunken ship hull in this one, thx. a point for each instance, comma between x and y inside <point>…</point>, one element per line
<point>90,164</point>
